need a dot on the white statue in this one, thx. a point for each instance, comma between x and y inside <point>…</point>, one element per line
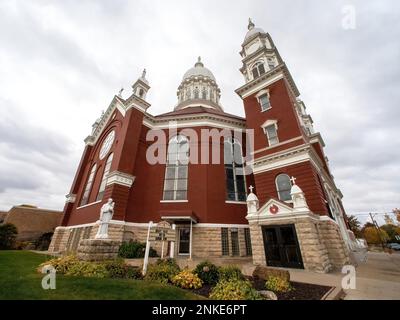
<point>106,214</point>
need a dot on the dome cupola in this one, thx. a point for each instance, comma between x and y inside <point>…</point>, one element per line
<point>198,88</point>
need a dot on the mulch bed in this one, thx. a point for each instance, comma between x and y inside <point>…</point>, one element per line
<point>301,291</point>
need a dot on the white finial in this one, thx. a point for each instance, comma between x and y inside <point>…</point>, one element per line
<point>144,74</point>
<point>251,24</point>
<point>251,188</point>
<point>293,180</point>
<point>199,63</point>
<point>120,92</point>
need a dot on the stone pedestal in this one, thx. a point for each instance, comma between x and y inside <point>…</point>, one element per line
<point>98,249</point>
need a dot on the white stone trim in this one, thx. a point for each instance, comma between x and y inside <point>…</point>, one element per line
<point>89,204</point>
<point>277,145</point>
<point>174,201</point>
<point>200,120</point>
<point>270,122</point>
<point>121,178</point>
<point>235,202</point>
<point>70,198</point>
<point>327,218</point>
<point>220,225</point>
<point>291,156</point>
<point>263,84</point>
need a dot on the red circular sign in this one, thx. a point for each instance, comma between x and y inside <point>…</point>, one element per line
<point>273,209</point>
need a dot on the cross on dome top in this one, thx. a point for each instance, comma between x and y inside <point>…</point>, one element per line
<point>293,180</point>
<point>251,188</point>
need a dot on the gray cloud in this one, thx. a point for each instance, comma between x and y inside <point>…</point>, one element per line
<point>69,58</point>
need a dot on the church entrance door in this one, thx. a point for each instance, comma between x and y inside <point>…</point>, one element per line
<point>184,240</point>
<point>282,247</point>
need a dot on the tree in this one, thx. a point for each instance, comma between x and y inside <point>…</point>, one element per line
<point>355,226</point>
<point>397,213</point>
<point>392,231</point>
<point>372,236</point>
<point>8,235</point>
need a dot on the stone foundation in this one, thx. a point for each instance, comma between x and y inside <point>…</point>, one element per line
<point>206,241</point>
<point>98,249</point>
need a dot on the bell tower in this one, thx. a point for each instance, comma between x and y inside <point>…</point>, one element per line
<point>259,54</point>
<point>141,86</point>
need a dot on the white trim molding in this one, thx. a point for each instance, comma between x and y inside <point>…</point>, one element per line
<point>70,198</point>
<point>89,204</point>
<point>121,178</point>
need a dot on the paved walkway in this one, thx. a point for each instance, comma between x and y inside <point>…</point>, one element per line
<point>378,277</point>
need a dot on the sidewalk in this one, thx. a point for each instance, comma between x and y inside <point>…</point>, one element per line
<point>376,278</point>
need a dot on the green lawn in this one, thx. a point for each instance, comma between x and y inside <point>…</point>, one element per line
<point>19,280</point>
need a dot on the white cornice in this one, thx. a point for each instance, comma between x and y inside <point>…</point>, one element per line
<point>277,145</point>
<point>280,159</point>
<point>123,179</point>
<point>198,120</point>
<point>123,106</point>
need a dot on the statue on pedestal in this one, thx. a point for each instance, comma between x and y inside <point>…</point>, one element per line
<point>106,214</point>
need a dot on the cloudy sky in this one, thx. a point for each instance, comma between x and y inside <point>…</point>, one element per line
<point>61,62</point>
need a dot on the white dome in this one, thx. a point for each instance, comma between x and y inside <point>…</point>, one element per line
<point>252,32</point>
<point>252,197</point>
<point>198,70</point>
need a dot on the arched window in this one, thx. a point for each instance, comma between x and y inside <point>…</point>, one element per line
<point>86,193</point>
<point>106,171</point>
<point>196,93</point>
<point>188,93</point>
<point>176,171</point>
<point>258,70</point>
<point>204,93</point>
<point>235,179</point>
<point>283,187</point>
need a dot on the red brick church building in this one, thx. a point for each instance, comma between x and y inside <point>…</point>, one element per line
<point>294,217</point>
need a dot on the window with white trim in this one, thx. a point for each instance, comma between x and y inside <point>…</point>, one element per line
<point>106,171</point>
<point>235,178</point>
<point>264,102</point>
<point>176,171</point>
<point>271,63</point>
<point>283,187</point>
<point>272,134</point>
<point>88,186</point>
<point>258,70</point>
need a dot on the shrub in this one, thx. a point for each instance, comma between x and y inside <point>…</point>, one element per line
<point>207,272</point>
<point>8,236</point>
<point>88,269</point>
<point>162,271</point>
<point>62,264</point>
<point>230,273</point>
<point>278,284</point>
<point>44,241</point>
<point>118,269</point>
<point>186,279</point>
<point>134,249</point>
<point>234,290</point>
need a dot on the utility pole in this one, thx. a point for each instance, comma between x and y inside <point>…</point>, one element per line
<point>378,229</point>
